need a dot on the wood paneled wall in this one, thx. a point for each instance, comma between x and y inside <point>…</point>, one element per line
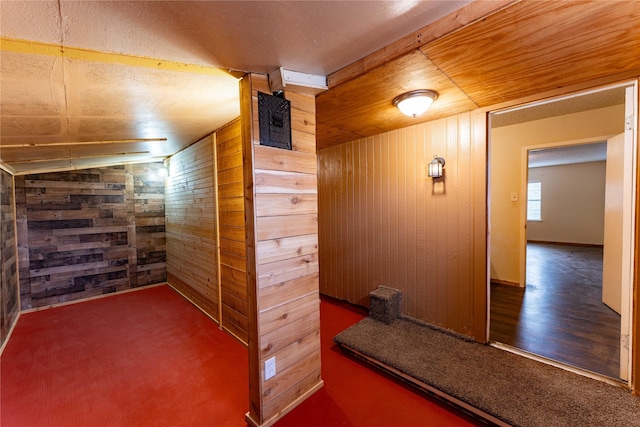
<point>150,241</point>
<point>89,232</point>
<point>9,307</point>
<point>233,255</point>
<point>383,221</point>
<point>282,250</point>
<point>190,208</point>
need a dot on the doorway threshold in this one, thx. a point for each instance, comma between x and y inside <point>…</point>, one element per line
<point>557,364</point>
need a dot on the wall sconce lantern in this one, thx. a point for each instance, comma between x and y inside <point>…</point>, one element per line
<point>435,167</point>
<point>415,102</point>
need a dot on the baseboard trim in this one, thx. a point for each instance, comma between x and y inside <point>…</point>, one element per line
<point>271,421</point>
<point>505,282</point>
<point>78,301</point>
<point>8,337</point>
<point>546,242</point>
<point>210,316</point>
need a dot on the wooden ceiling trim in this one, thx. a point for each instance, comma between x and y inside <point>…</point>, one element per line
<point>448,24</point>
<point>532,47</point>
<point>53,144</point>
<point>363,106</point>
<point>8,169</point>
<point>49,49</point>
<point>69,158</point>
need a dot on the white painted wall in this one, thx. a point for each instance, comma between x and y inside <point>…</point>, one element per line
<point>572,203</point>
<point>505,155</point>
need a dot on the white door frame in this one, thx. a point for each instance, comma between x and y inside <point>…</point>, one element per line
<point>631,116</point>
<point>523,190</point>
<point>628,223</point>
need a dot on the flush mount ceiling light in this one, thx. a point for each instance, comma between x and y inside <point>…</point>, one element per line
<point>415,102</point>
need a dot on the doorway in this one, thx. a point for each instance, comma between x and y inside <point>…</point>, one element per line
<point>527,312</point>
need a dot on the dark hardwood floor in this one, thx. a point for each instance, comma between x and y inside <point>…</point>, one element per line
<point>560,314</point>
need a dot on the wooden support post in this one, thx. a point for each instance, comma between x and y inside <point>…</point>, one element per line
<point>282,258</point>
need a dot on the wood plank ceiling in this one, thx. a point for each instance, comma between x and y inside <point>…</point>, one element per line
<point>70,107</point>
<point>524,49</point>
<point>89,83</point>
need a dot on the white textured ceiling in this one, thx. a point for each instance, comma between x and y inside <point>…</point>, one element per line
<point>83,81</point>
<point>317,37</point>
<point>582,153</point>
<point>573,104</point>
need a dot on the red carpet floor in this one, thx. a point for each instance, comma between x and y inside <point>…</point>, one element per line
<point>149,358</point>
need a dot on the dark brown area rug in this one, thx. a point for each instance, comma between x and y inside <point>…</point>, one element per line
<point>514,389</point>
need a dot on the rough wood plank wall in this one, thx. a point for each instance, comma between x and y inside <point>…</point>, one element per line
<point>283,200</point>
<point>190,206</point>
<point>8,258</point>
<point>383,221</point>
<point>233,256</point>
<point>78,233</point>
<point>150,242</point>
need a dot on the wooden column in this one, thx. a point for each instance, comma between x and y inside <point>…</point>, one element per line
<point>282,258</point>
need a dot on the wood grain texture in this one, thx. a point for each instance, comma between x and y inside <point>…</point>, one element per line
<point>283,268</point>
<point>9,283</point>
<point>384,222</point>
<point>192,262</point>
<point>364,106</point>
<point>532,47</point>
<point>446,25</point>
<point>518,49</point>
<point>233,258</point>
<point>90,232</point>
<point>247,113</point>
<point>150,236</point>
<point>560,315</point>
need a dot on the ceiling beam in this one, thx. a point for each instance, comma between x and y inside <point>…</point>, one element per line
<point>8,169</point>
<point>58,144</point>
<point>57,50</point>
<point>71,158</point>
<point>462,17</point>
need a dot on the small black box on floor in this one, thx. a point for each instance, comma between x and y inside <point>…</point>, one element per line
<point>384,304</point>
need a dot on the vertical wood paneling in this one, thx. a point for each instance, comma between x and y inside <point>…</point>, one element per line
<point>191,223</point>
<point>233,257</point>
<point>281,196</point>
<point>478,207</point>
<point>422,183</point>
<point>9,307</point>
<point>78,232</point>
<point>410,225</point>
<point>418,231</point>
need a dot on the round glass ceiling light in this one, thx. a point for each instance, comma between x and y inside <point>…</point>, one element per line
<point>415,102</point>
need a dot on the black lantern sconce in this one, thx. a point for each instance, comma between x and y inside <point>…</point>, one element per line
<point>435,167</point>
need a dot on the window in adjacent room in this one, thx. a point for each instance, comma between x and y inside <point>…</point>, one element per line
<point>534,199</point>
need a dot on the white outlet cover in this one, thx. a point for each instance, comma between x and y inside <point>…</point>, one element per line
<point>269,368</point>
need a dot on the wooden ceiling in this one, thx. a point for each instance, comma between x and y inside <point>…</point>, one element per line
<point>125,105</point>
<point>521,50</point>
<point>94,83</point>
